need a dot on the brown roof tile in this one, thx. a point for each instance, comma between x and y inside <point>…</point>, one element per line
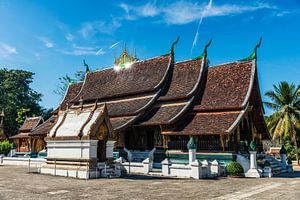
<point>141,77</point>
<point>71,93</point>
<point>44,128</point>
<point>116,122</point>
<point>20,135</point>
<point>127,107</point>
<point>184,78</point>
<point>203,123</point>
<point>226,86</point>
<point>30,123</point>
<point>162,114</point>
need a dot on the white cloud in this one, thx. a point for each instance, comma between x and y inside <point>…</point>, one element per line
<point>7,50</point>
<point>47,42</point>
<point>69,37</point>
<point>89,29</point>
<point>82,50</point>
<point>183,12</point>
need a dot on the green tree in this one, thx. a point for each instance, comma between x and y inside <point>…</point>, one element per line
<point>5,147</point>
<point>16,96</point>
<point>65,81</point>
<point>283,123</point>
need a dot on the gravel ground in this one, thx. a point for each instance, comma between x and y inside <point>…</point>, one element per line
<point>17,183</point>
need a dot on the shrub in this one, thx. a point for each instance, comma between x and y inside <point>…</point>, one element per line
<point>267,164</point>
<point>260,163</point>
<point>5,147</point>
<point>235,169</point>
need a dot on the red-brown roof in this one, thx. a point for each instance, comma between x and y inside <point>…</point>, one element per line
<point>30,123</point>
<point>117,122</point>
<point>20,135</point>
<point>127,107</point>
<point>143,76</point>
<point>184,78</point>
<point>203,123</point>
<point>226,86</point>
<point>71,93</point>
<point>163,114</point>
<point>43,129</point>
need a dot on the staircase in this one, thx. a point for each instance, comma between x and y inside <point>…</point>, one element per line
<point>139,156</point>
<point>275,165</point>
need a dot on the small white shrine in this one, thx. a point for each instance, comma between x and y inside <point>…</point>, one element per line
<point>79,141</point>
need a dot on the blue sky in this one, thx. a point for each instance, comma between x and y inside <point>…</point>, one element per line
<point>51,38</point>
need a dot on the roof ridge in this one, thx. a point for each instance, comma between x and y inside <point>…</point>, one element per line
<point>139,61</point>
<point>226,63</point>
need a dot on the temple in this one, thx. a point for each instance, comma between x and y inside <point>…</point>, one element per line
<point>25,144</point>
<point>150,108</point>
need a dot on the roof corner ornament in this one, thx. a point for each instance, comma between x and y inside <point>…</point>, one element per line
<point>173,45</point>
<point>254,53</point>
<point>69,80</point>
<point>204,54</point>
<point>87,69</point>
<point>191,144</point>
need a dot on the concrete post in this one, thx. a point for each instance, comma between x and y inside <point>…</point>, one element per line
<point>192,156</point>
<point>191,146</point>
<point>283,161</point>
<point>147,164</point>
<point>1,159</point>
<point>215,168</point>
<point>165,167</point>
<point>196,168</point>
<point>206,168</point>
<point>253,172</point>
<point>110,148</point>
<point>283,153</point>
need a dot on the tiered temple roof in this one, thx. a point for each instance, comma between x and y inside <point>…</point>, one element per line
<point>43,129</point>
<point>128,92</point>
<point>184,98</point>
<point>29,124</point>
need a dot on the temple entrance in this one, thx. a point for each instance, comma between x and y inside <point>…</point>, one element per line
<point>139,139</point>
<point>101,150</point>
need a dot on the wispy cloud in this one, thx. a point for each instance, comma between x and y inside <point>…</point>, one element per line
<point>206,9</point>
<point>82,50</point>
<point>7,50</point>
<point>183,12</point>
<point>69,37</point>
<point>89,29</point>
<point>114,45</point>
<point>47,42</point>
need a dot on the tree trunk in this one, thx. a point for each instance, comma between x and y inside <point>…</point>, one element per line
<point>296,147</point>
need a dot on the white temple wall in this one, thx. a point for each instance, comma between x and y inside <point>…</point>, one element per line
<point>77,149</point>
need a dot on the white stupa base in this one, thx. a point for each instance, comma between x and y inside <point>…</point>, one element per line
<point>252,173</point>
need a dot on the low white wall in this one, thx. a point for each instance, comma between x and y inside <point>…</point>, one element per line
<point>23,161</point>
<point>194,170</point>
<point>180,170</point>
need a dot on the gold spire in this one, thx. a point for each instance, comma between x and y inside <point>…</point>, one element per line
<point>125,57</point>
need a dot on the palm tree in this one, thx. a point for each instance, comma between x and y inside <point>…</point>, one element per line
<point>283,123</point>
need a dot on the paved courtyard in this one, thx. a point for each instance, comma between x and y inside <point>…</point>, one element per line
<point>16,183</point>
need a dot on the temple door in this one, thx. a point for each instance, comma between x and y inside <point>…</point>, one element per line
<point>101,150</point>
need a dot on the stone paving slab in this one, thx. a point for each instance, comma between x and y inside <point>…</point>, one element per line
<point>17,183</point>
